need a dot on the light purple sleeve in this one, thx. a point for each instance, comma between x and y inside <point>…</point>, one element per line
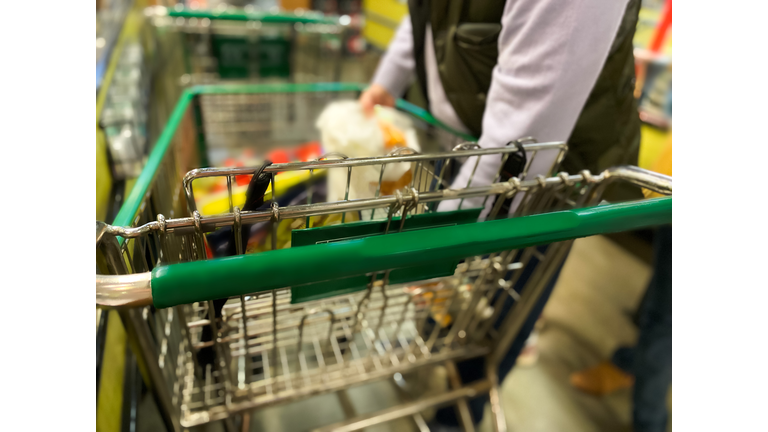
<point>550,55</point>
<point>396,69</point>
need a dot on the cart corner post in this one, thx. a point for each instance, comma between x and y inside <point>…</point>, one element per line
<point>139,337</point>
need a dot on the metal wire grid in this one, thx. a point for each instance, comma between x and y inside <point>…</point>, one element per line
<point>233,122</point>
<point>239,120</point>
<point>333,343</point>
<point>430,176</point>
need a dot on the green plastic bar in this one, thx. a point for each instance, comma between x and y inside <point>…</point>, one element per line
<point>226,277</point>
<point>241,15</point>
<point>277,88</point>
<point>132,202</point>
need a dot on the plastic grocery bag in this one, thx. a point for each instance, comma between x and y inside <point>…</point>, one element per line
<point>345,129</point>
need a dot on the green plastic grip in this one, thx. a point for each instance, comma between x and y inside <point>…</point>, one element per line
<point>226,277</point>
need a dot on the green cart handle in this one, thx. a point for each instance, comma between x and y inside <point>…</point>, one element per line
<point>197,281</point>
<point>255,15</point>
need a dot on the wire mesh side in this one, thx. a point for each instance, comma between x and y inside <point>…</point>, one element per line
<point>261,122</point>
<point>279,351</point>
<point>217,50</point>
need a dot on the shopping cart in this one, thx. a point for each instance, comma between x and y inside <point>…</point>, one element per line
<point>227,44</point>
<point>363,300</point>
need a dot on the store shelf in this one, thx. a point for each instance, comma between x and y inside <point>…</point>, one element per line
<point>109,24</point>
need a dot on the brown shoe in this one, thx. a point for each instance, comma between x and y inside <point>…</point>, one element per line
<point>602,379</point>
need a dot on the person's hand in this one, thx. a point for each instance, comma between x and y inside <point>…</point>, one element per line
<point>375,95</point>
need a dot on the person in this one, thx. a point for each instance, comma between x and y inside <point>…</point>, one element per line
<point>502,70</point>
<point>647,365</point>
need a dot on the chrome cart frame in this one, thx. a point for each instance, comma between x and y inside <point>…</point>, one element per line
<point>306,320</point>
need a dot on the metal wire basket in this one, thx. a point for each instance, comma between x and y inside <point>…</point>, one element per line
<point>248,45</point>
<point>343,304</point>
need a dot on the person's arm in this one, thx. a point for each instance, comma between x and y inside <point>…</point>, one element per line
<point>395,71</point>
<point>550,55</point>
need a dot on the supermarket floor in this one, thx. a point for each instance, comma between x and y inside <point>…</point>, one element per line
<point>587,317</point>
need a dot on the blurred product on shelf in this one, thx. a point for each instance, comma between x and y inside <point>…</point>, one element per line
<point>347,131</point>
<point>124,118</point>
<point>653,63</point>
<point>381,20</point>
<point>337,7</point>
<point>350,14</point>
<point>110,15</point>
<point>654,90</point>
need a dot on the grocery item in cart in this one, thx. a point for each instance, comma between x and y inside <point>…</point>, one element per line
<point>260,239</point>
<point>292,190</point>
<point>212,195</point>
<point>346,130</point>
